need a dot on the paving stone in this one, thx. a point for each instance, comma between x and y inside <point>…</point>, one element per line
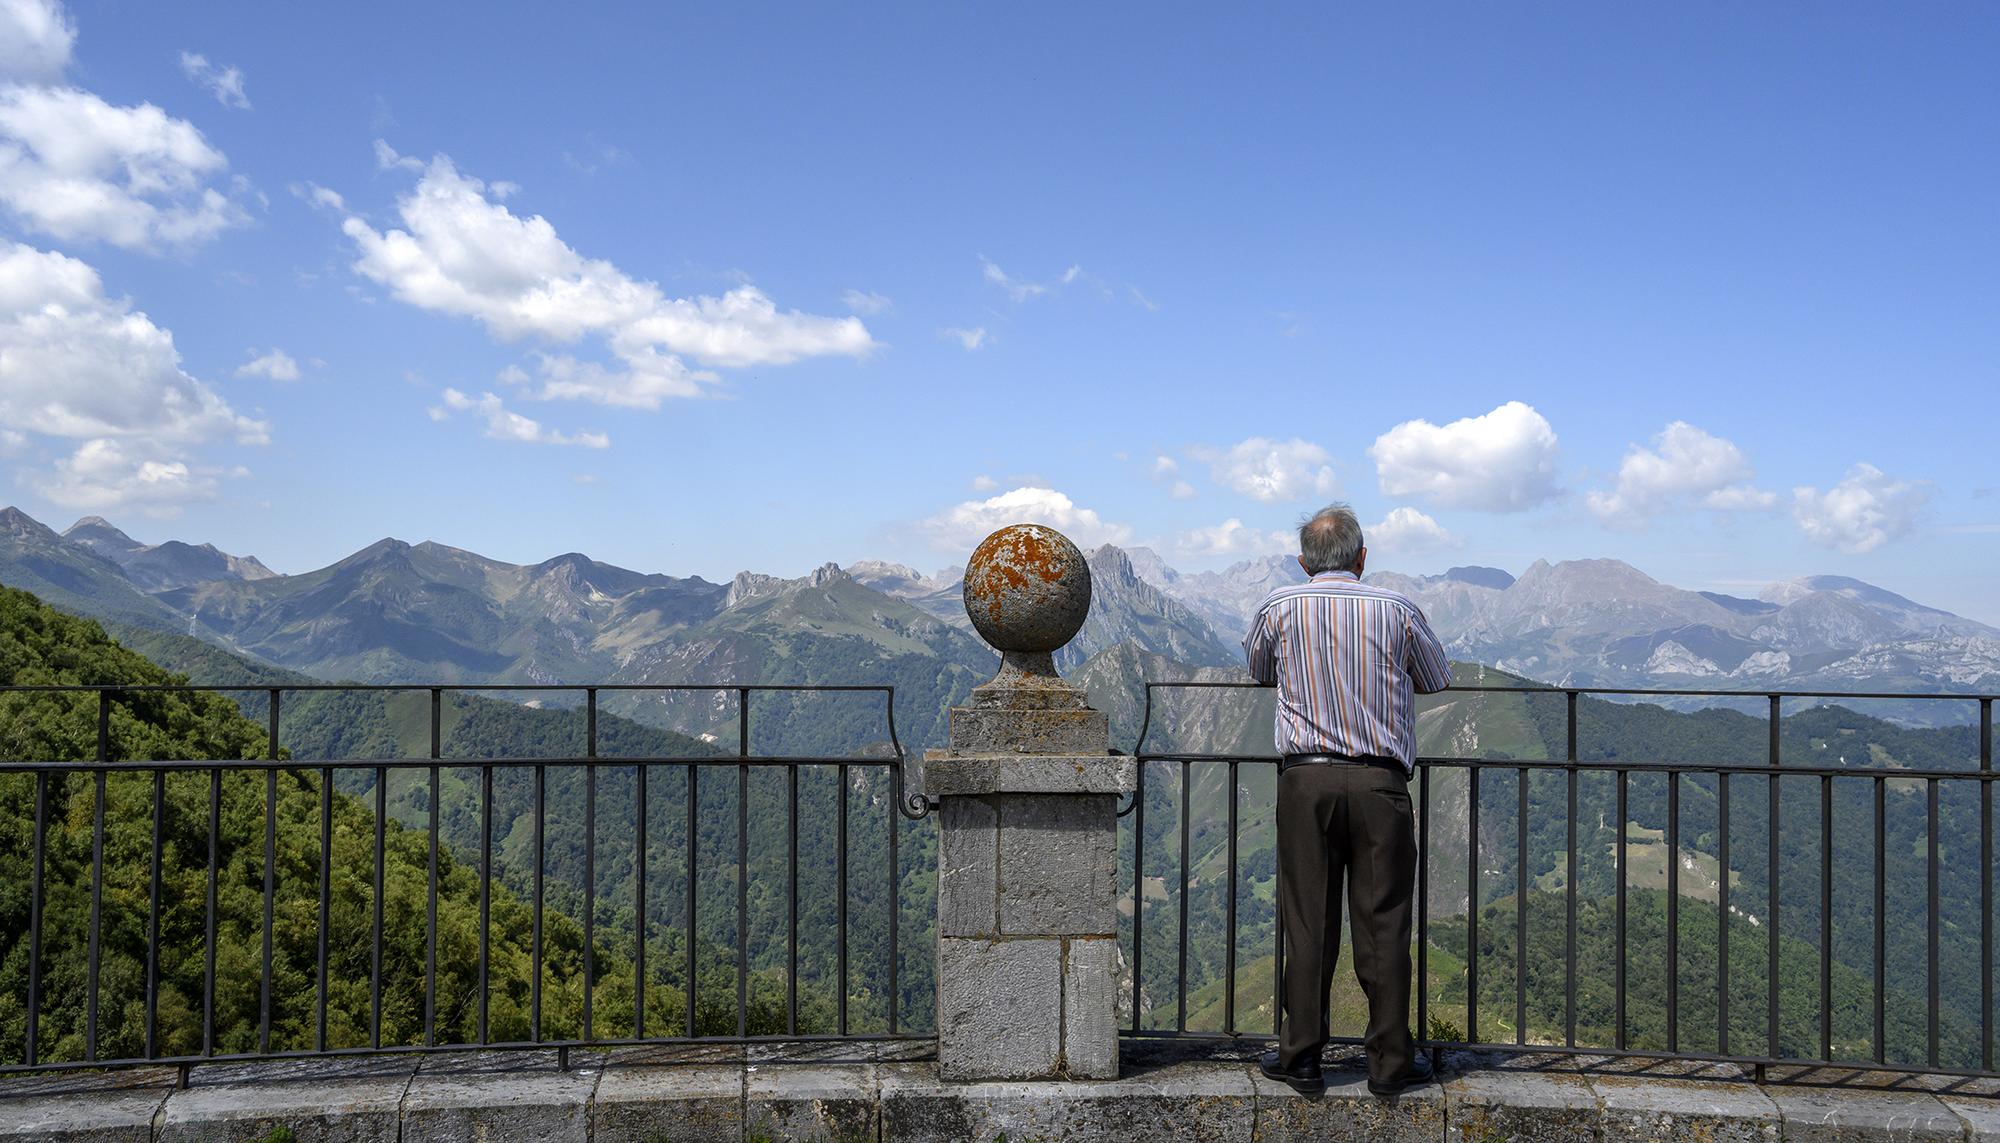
<point>835,1103</point>
<point>1838,1114</point>
<point>968,867</point>
<point>1199,1102</point>
<point>518,1098</point>
<point>108,1116</point>
<point>1058,864</point>
<point>1090,1008</point>
<point>1348,1110</point>
<point>1492,1106</point>
<point>1709,1111</point>
<point>1981,1116</point>
<point>696,1103</point>
<point>999,1008</point>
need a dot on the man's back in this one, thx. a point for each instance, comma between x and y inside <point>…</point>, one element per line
<point>1346,657</point>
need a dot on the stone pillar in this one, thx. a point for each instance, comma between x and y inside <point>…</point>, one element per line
<point>1027,796</point>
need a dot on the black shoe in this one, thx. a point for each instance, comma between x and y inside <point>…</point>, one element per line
<point>1304,1078</point>
<point>1418,1074</point>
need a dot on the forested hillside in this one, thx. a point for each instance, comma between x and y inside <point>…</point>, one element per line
<point>40,646</point>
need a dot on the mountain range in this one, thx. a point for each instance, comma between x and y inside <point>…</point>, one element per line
<point>396,612</point>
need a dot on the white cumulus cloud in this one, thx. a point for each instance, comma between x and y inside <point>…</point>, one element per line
<point>1867,509</point>
<point>1502,461</point>
<point>277,365</point>
<point>36,38</point>
<point>80,169</point>
<point>1233,537</point>
<point>460,251</point>
<point>75,363</point>
<point>1272,471</point>
<point>105,474</point>
<point>1686,468</point>
<point>224,83</point>
<point>960,527</point>
<point>1408,532</point>
<point>503,424</point>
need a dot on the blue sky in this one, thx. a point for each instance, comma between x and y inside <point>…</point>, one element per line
<point>701,289</point>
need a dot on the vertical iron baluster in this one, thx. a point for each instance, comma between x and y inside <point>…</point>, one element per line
<point>208,965</point>
<point>1673,911</point>
<point>792,900</point>
<point>589,858</point>
<point>1722,913</point>
<point>1139,892</point>
<point>693,802</point>
<point>1986,885</point>
<point>1931,948</point>
<point>431,883</point>
<point>1180,946</point>
<point>430,917</point>
<point>381,887</point>
<point>639,899</point>
<point>535,939</point>
<point>1229,924</point>
<point>270,867</point>
<point>743,896</point>
<point>35,893</point>
<point>1881,923</point>
<point>1472,904</point>
<point>96,875</point>
<point>485,897</point>
<point>1423,901</point>
<point>1618,955</point>
<point>895,892</point>
<point>1825,917</point>
<point>264,981</point>
<point>325,905</point>
<point>1569,875</point>
<point>840,903</point>
<point>1521,911</point>
<point>153,917</point>
<point>743,872</point>
<point>1771,938</point>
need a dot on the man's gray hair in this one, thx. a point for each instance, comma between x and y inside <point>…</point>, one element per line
<point>1330,540</point>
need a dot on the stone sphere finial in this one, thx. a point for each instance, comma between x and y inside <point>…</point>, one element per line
<point>1027,591</point>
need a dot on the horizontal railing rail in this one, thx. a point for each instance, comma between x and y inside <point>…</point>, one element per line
<point>1533,805</point>
<point>185,910</point>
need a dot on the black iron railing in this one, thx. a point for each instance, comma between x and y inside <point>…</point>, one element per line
<point>1156,855</point>
<point>354,814</point>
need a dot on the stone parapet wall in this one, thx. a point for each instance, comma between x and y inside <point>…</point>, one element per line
<point>854,1092</point>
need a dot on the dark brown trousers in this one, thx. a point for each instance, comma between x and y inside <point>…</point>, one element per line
<point>1351,822</point>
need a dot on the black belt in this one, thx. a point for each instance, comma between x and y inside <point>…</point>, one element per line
<point>1291,760</point>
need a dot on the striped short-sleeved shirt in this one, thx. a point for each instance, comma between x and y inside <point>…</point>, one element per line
<point>1348,660</point>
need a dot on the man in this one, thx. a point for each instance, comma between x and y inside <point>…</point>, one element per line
<point>1346,659</point>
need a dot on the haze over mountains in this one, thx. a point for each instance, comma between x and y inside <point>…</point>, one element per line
<point>427,612</point>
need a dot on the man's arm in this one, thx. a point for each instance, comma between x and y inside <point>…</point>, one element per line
<point>1429,670</point>
<point>1260,648</point>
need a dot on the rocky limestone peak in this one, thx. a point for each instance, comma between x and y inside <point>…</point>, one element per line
<point>748,585</point>
<point>1110,561</point>
<point>97,528</point>
<point>826,573</point>
<point>880,569</point>
<point>1478,576</point>
<point>15,522</point>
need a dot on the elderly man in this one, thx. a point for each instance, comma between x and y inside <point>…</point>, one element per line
<point>1347,660</point>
